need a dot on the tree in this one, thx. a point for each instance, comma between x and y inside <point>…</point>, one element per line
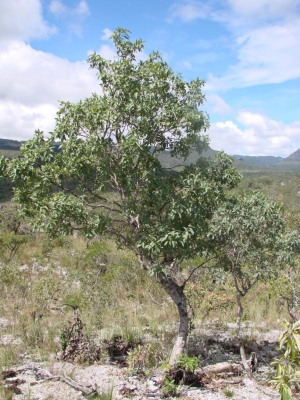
<point>286,289</point>
<point>252,244</point>
<point>107,180</point>
<point>13,234</point>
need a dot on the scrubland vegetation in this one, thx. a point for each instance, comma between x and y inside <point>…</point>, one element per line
<point>108,252</point>
<point>47,279</point>
<point>43,281</point>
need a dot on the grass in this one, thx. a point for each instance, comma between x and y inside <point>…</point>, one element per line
<point>8,356</point>
<point>5,394</point>
<point>38,299</point>
<point>105,395</point>
<point>228,393</point>
<point>35,298</point>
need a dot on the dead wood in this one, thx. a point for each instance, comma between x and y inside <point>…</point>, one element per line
<point>220,368</point>
<point>10,381</point>
<point>14,381</point>
<point>221,383</point>
<point>203,376</point>
<point>13,388</point>
<point>244,361</point>
<point>253,362</point>
<point>183,376</point>
<point>78,346</point>
<point>44,375</point>
<point>8,374</point>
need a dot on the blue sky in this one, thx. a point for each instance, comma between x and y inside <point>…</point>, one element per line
<point>248,52</point>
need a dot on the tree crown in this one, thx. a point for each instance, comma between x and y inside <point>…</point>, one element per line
<point>107,178</point>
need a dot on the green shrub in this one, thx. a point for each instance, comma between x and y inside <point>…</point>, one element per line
<point>169,388</point>
<point>287,366</point>
<point>188,363</point>
<point>141,358</point>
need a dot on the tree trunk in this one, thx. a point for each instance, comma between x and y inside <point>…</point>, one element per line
<point>238,330</point>
<point>240,312</point>
<point>176,293</point>
<point>220,368</point>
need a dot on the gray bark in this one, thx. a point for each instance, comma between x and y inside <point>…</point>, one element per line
<point>220,368</point>
<point>238,329</point>
<point>240,312</point>
<point>176,292</point>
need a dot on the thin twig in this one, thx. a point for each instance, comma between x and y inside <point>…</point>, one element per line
<point>198,266</point>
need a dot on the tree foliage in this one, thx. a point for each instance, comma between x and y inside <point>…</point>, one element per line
<point>287,373</point>
<point>250,233</point>
<point>252,240</point>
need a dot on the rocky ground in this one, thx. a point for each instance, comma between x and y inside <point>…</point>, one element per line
<point>57,380</point>
<point>34,385</point>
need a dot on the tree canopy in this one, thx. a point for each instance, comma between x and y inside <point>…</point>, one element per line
<point>252,239</point>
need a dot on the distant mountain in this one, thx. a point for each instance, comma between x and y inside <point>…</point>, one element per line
<point>11,148</point>
<point>268,161</point>
<point>294,156</point>
<point>292,162</point>
<point>7,144</point>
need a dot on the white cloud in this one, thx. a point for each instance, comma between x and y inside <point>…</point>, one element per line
<point>240,16</point>
<point>265,55</point>
<point>34,77</point>
<point>75,29</point>
<point>32,82</point>
<point>260,136</point>
<point>106,34</point>
<point>22,19</point>
<point>107,52</point>
<point>216,104</point>
<point>82,9</point>
<point>58,8</point>
<point>18,122</point>
<point>187,65</point>
<point>74,16</point>
<point>188,12</point>
<point>264,35</point>
<point>265,9</point>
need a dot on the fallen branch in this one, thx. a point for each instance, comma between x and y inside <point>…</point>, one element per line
<point>202,377</point>
<point>223,382</point>
<point>220,368</point>
<point>45,375</point>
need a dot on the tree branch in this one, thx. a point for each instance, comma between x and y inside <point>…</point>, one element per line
<point>199,266</point>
